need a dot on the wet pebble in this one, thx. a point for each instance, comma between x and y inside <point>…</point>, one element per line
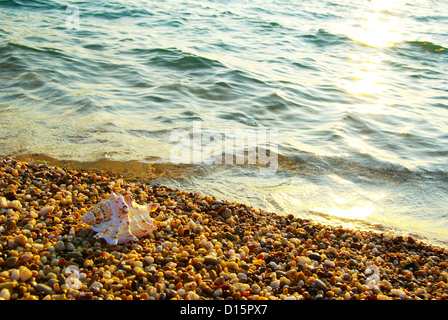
<point>329,264</point>
<point>226,213</point>
<point>21,240</point>
<point>46,210</point>
<point>11,261</point>
<point>3,203</point>
<point>211,260</point>
<point>59,246</point>
<point>44,288</point>
<point>15,204</point>
<point>315,256</point>
<point>5,294</point>
<point>319,283</point>
<point>25,274</point>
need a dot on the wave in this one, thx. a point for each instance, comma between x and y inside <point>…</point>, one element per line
<point>325,38</point>
<point>21,66</point>
<point>179,60</point>
<point>414,49</point>
<point>361,170</point>
<point>428,46</point>
<point>34,4</point>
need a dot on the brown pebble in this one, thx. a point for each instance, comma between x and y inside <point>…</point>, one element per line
<point>226,213</point>
<point>315,256</point>
<point>11,261</point>
<point>8,285</point>
<point>219,281</point>
<point>420,273</point>
<point>15,204</point>
<point>25,274</point>
<point>3,203</point>
<point>301,276</point>
<point>320,284</point>
<point>352,262</point>
<point>211,260</point>
<point>11,224</point>
<point>44,288</point>
<point>21,240</point>
<point>226,286</point>
<point>230,236</point>
<point>46,210</point>
<point>74,254</point>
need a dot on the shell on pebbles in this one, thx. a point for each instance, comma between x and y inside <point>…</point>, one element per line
<point>119,219</point>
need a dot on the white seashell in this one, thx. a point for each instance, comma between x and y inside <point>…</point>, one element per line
<point>119,219</point>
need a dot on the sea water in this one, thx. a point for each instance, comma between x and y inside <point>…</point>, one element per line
<point>356,91</point>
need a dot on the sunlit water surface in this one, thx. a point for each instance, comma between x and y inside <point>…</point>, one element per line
<point>357,91</point>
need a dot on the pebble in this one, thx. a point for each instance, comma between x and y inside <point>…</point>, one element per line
<point>167,245</point>
<point>212,260</point>
<point>275,284</point>
<point>21,240</point>
<point>230,236</point>
<point>4,294</point>
<point>15,275</point>
<point>11,225</point>
<point>226,213</point>
<point>15,204</point>
<point>398,292</point>
<point>320,284</point>
<point>329,263</point>
<point>44,288</point>
<point>46,210</point>
<point>69,247</point>
<point>25,274</point>
<point>11,261</point>
<point>232,265</point>
<point>3,203</point>
<point>353,262</point>
<point>315,256</point>
<point>60,245</point>
<point>38,246</point>
<point>8,285</point>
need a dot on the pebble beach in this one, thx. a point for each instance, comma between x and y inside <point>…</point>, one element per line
<point>203,248</point>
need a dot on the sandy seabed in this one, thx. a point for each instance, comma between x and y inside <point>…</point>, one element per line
<point>203,248</point>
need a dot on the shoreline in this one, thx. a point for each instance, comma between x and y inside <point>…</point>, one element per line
<point>204,248</point>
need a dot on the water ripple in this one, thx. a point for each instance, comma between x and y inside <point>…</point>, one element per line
<point>359,123</point>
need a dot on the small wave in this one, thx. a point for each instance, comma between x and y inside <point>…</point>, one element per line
<point>114,10</point>
<point>21,65</point>
<point>12,46</point>
<point>177,59</point>
<point>433,18</point>
<point>35,4</point>
<point>427,46</point>
<point>304,65</point>
<point>367,168</point>
<point>325,38</point>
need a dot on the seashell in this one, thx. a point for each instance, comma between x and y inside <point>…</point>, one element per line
<point>119,219</point>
